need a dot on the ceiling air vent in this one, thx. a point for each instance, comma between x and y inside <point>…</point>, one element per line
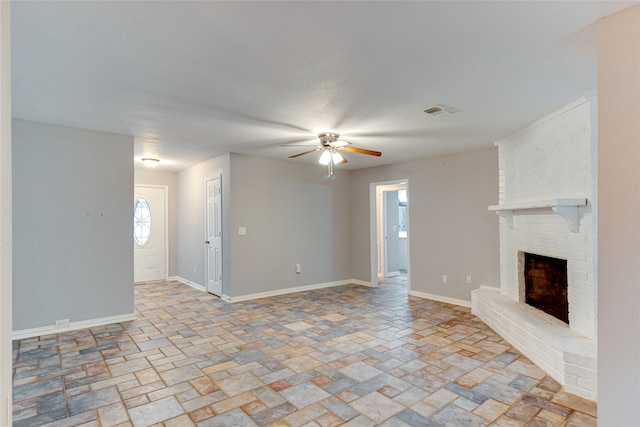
<point>440,110</point>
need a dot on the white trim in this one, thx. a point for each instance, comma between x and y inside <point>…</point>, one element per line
<point>73,326</point>
<point>441,298</point>
<point>184,281</point>
<point>489,288</point>
<point>361,283</point>
<point>293,290</point>
<point>247,297</point>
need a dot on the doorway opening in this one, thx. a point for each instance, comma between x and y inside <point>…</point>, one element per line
<point>390,241</point>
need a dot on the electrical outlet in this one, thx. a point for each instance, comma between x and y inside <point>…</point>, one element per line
<point>444,278</point>
<point>298,269</point>
<point>194,268</point>
<point>468,278</point>
<point>62,323</point>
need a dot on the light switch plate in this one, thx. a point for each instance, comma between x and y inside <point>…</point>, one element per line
<point>242,231</point>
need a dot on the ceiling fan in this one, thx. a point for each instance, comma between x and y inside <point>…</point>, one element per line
<point>331,145</point>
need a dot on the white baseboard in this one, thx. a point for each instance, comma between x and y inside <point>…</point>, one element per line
<point>194,285</point>
<point>293,290</point>
<point>73,326</point>
<point>441,298</point>
<point>360,282</point>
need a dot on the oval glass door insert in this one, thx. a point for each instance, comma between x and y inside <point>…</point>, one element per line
<point>141,222</point>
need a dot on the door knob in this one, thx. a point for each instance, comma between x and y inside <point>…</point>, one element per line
<point>206,241</point>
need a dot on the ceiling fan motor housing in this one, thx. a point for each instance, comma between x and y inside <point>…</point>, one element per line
<point>327,138</point>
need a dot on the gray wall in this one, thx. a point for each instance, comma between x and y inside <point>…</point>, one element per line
<point>618,219</point>
<point>191,225</point>
<point>293,214</point>
<point>450,229</point>
<point>5,217</point>
<point>72,251</point>
<point>170,179</point>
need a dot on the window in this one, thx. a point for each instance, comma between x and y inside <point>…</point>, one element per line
<point>402,206</point>
<point>141,222</point>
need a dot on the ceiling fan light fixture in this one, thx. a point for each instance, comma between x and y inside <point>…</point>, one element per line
<point>337,158</point>
<point>332,146</point>
<point>150,163</point>
<point>325,158</point>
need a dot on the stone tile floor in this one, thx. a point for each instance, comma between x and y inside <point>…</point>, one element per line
<point>348,355</point>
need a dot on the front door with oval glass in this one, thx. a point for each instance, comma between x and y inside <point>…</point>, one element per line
<point>149,234</point>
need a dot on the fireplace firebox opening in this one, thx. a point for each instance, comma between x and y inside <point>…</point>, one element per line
<point>546,286</point>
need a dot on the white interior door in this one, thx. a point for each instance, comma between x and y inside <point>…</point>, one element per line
<point>213,240</point>
<point>149,234</point>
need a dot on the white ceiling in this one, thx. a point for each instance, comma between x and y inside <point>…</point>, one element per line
<point>191,80</point>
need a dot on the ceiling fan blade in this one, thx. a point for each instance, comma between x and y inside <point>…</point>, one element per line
<point>344,160</point>
<point>299,142</point>
<point>362,151</point>
<point>303,153</point>
<point>339,143</point>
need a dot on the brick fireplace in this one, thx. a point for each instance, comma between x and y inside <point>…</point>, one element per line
<point>547,208</point>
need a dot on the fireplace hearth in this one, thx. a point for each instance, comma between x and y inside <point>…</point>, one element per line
<point>545,282</point>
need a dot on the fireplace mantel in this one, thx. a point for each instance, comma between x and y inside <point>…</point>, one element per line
<point>565,207</point>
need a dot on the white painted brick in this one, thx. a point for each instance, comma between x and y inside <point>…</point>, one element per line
<point>581,387</point>
<point>581,288</point>
<point>588,386</point>
<point>581,256</point>
<point>580,275</point>
<point>581,360</point>
<point>587,267</point>
<point>577,237</point>
<point>572,380</point>
<point>581,302</point>
<point>533,338</point>
<point>581,372</point>
<point>552,158</point>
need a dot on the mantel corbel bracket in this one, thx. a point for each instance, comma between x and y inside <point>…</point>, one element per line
<point>508,217</point>
<point>570,214</point>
